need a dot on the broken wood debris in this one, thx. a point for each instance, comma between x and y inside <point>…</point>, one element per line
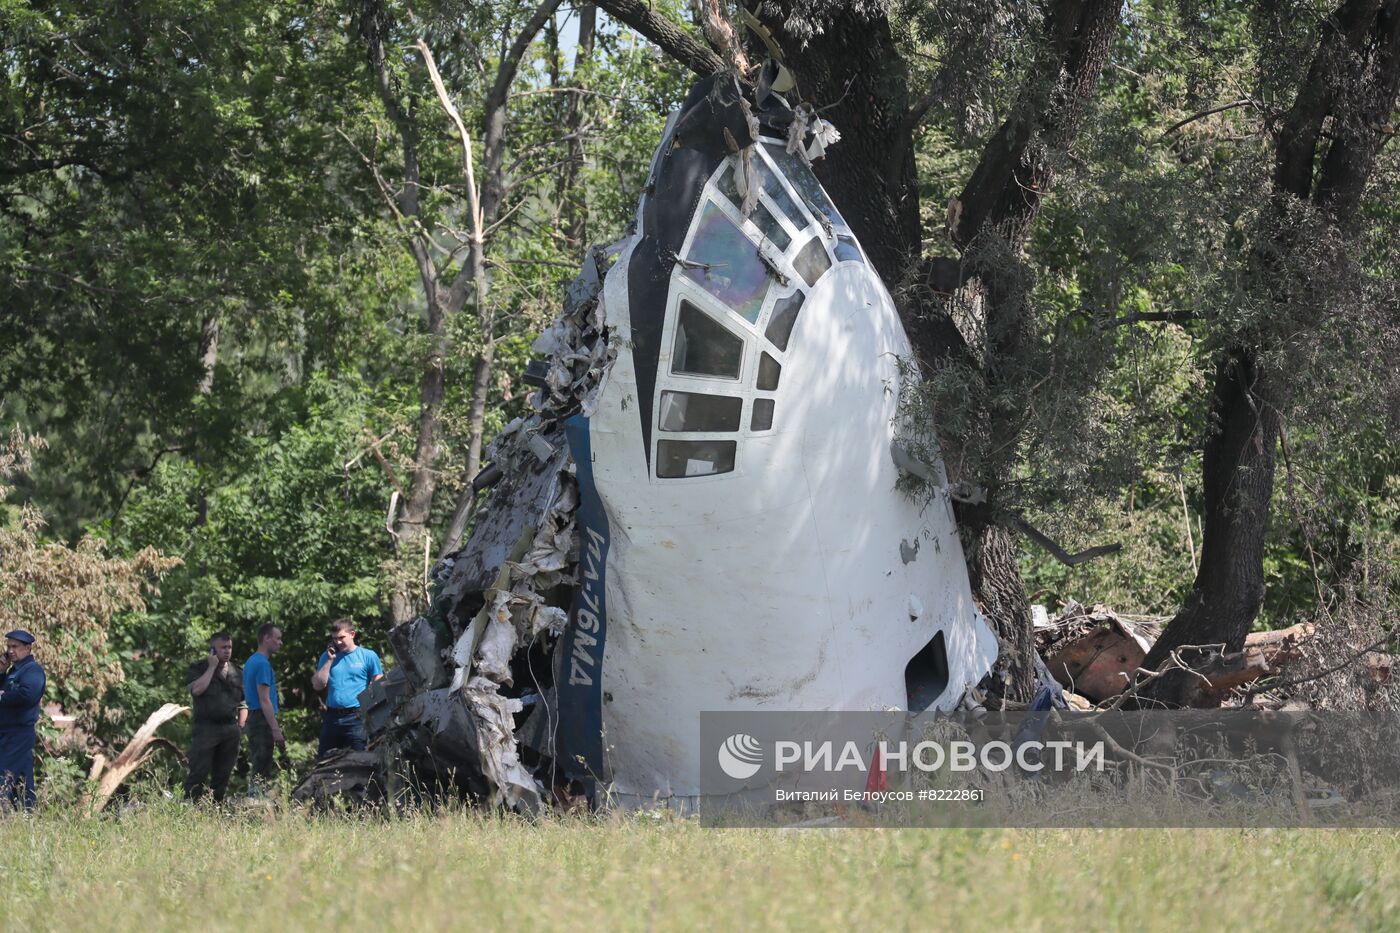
<point>1096,654</point>
<point>105,777</point>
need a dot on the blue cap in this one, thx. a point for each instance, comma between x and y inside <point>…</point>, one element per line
<point>21,636</point>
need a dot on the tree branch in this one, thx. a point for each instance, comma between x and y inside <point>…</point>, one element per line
<point>1360,125</point>
<point>1203,114</point>
<point>668,36</point>
<point>1058,552</point>
<point>492,150</point>
<point>30,166</point>
<point>1296,146</point>
<point>1016,168</point>
<point>510,64</point>
<point>468,172</point>
<point>1156,317</point>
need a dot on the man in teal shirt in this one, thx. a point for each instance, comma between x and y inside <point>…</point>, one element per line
<point>343,671</point>
<point>260,693</point>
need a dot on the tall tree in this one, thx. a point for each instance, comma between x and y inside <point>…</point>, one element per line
<point>172,227</point>
<point>450,277</point>
<point>1325,151</point>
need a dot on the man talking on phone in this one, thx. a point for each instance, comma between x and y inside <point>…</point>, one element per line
<point>343,671</point>
<point>219,713</point>
<point>21,691</point>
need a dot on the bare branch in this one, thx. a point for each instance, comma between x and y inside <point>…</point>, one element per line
<point>473,200</point>
<point>409,226</point>
<point>1242,102</point>
<point>1058,552</point>
<point>1350,660</point>
<point>29,166</point>
<point>510,63</point>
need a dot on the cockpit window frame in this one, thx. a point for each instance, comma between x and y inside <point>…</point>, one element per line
<point>784,282</point>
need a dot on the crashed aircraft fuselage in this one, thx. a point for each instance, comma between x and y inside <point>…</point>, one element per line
<point>715,442</point>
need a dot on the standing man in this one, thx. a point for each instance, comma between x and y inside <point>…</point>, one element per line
<point>21,690</point>
<point>344,671</point>
<point>260,693</point>
<point>219,714</point>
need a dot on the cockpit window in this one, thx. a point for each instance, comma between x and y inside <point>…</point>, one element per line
<point>846,249</point>
<point>775,190</point>
<point>761,216</point>
<point>784,316</point>
<point>762,419</point>
<point>813,261</point>
<point>805,182</point>
<point>725,262</point>
<point>768,373</point>
<point>704,347</point>
<point>676,459</point>
<point>771,228</point>
<point>727,187</point>
<point>692,411</point>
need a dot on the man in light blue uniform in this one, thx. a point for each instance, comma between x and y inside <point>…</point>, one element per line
<point>344,670</point>
<point>21,691</point>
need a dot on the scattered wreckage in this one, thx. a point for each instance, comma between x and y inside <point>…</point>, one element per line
<point>701,511</point>
<point>1097,654</point>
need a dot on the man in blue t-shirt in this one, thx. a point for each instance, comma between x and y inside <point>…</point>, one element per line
<point>343,671</point>
<point>260,693</point>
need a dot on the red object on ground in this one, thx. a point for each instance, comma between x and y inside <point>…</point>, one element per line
<point>877,780</point>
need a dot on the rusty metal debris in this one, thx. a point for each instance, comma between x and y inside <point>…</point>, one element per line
<point>1096,654</point>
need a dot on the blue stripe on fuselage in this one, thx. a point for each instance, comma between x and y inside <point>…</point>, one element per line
<point>579,658</point>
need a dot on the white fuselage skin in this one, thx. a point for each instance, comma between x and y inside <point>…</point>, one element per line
<point>788,583</point>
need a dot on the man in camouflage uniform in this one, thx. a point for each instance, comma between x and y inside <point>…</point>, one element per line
<point>219,712</point>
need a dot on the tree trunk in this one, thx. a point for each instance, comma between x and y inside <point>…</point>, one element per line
<point>574,209</point>
<point>473,274</point>
<point>1238,469</point>
<point>411,523</point>
<point>991,222</point>
<point>442,301</point>
<point>476,413</point>
<point>997,582</point>
<point>853,71</point>
<point>1354,79</point>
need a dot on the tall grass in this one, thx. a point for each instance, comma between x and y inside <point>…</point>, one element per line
<point>172,867</point>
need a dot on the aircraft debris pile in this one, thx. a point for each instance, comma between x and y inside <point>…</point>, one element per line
<point>503,599</point>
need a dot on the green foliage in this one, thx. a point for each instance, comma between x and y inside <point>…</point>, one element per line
<point>67,596</point>
<point>211,315</point>
<point>178,168</point>
<point>295,536</point>
<point>1144,263</point>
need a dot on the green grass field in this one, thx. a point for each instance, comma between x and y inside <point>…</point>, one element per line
<point>173,868</point>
